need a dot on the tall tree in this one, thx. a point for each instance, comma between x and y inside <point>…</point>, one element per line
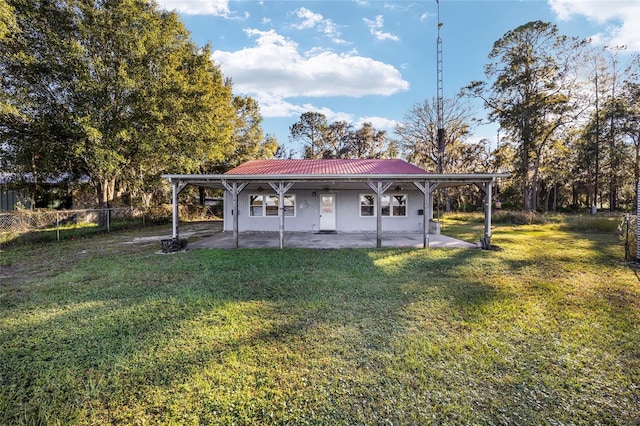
<point>418,139</point>
<point>35,125</point>
<point>248,139</point>
<point>338,139</point>
<point>366,142</point>
<point>631,124</point>
<point>8,26</point>
<point>530,96</point>
<point>146,91</point>
<point>117,88</point>
<point>311,130</point>
<point>418,134</point>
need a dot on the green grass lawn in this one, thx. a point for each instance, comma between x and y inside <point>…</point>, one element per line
<point>546,331</point>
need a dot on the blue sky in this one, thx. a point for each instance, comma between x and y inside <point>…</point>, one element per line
<point>372,60</point>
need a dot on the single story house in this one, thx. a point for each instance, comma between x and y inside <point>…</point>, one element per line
<point>331,195</point>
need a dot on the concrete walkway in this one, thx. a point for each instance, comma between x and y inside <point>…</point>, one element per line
<point>326,241</point>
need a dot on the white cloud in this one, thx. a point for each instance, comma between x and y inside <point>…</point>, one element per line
<point>379,123</point>
<point>376,26</point>
<point>311,20</point>
<point>274,69</point>
<point>197,7</point>
<point>622,16</point>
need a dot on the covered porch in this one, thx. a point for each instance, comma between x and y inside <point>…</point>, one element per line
<point>426,184</point>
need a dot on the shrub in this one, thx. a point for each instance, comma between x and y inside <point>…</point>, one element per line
<point>512,217</point>
<point>591,223</point>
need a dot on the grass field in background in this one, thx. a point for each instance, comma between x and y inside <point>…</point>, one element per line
<point>101,331</point>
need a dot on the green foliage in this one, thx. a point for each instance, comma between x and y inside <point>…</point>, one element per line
<point>310,130</point>
<point>592,223</point>
<point>99,332</point>
<point>248,140</point>
<point>514,217</point>
<point>113,90</point>
<point>531,73</point>
<point>339,139</point>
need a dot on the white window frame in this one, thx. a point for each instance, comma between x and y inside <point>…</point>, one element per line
<point>269,202</point>
<point>360,205</point>
<point>390,198</point>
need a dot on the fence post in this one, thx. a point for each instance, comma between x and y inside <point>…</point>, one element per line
<point>108,219</point>
<point>58,226</point>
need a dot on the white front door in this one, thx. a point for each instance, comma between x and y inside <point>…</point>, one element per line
<point>327,212</point>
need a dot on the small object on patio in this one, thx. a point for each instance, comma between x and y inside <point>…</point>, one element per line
<point>173,245</point>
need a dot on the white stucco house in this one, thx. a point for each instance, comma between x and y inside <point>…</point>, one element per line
<point>336,195</point>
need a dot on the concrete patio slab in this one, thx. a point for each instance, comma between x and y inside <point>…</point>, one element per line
<point>326,241</point>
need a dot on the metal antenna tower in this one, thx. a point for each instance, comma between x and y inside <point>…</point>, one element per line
<point>440,97</point>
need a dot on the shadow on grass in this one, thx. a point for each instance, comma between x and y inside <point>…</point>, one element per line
<point>156,321</point>
<point>256,335</point>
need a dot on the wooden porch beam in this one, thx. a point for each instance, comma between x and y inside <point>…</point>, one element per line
<point>177,188</point>
<point>281,189</point>
<point>234,188</point>
<point>379,188</point>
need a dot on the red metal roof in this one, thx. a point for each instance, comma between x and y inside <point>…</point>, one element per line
<point>326,167</point>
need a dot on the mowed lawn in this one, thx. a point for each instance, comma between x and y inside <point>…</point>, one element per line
<point>546,331</point>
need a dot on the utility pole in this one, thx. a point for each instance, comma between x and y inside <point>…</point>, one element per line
<point>440,98</point>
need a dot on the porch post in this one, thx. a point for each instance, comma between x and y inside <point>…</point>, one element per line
<point>487,212</point>
<point>425,206</point>
<point>281,188</point>
<point>234,203</point>
<point>177,188</point>
<point>174,202</point>
<point>379,188</point>
<point>431,188</point>
<point>234,188</point>
<point>379,215</point>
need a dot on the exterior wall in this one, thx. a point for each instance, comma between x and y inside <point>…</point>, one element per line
<point>307,215</point>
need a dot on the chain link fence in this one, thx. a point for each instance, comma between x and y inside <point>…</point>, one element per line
<point>629,235</point>
<point>62,222</point>
<point>35,225</point>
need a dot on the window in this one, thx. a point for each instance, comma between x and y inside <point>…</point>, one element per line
<point>256,205</point>
<point>392,205</point>
<point>367,205</point>
<point>267,205</point>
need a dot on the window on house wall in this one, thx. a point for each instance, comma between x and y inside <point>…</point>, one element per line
<point>367,205</point>
<point>267,205</point>
<point>256,205</point>
<point>398,205</point>
<point>392,205</point>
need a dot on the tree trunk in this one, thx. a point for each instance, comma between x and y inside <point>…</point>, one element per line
<point>105,191</point>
